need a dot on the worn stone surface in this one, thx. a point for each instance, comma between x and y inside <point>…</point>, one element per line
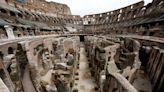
<point>85,82</point>
<point>120,50</point>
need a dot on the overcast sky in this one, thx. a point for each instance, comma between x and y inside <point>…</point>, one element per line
<point>84,7</point>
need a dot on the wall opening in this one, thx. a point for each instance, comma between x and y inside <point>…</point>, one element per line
<point>3,10</point>
<point>20,15</point>
<point>82,38</point>
<point>12,13</point>
<point>10,50</point>
<point>1,55</point>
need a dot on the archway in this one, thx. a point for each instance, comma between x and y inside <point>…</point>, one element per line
<point>82,39</point>
<point>10,50</point>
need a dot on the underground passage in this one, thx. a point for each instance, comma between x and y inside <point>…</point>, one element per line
<point>45,48</point>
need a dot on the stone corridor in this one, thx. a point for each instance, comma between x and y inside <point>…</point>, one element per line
<point>45,48</point>
<point>85,83</point>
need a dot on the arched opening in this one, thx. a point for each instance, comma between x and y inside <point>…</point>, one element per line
<point>3,10</point>
<point>12,13</point>
<point>82,39</point>
<point>10,50</point>
<point>15,28</point>
<point>20,15</point>
<point>3,33</point>
<point>55,21</point>
<point>151,33</point>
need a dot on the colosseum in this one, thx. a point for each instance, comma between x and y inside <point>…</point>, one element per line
<point>45,48</point>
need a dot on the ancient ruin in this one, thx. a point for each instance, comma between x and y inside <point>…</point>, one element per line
<point>44,48</point>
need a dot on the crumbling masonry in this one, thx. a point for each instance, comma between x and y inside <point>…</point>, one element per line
<point>44,48</point>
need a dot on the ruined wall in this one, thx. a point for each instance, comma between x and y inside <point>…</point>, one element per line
<point>113,61</point>
<point>118,63</point>
<point>152,59</point>
<point>39,64</point>
<point>42,5</point>
<point>36,21</point>
<point>133,19</point>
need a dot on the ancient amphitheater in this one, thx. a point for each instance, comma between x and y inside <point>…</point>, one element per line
<point>44,48</point>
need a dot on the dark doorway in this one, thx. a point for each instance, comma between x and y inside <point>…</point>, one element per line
<point>82,38</point>
<point>19,35</point>
<point>10,50</point>
<point>1,56</point>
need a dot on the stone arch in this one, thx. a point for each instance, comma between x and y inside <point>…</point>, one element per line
<point>3,10</point>
<point>20,15</point>
<point>10,50</point>
<point>12,13</point>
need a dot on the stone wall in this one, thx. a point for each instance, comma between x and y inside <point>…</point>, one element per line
<point>42,5</point>
<point>26,21</point>
<point>111,58</point>
<point>134,19</point>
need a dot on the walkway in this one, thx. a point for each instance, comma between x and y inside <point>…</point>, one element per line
<point>27,83</point>
<point>83,81</point>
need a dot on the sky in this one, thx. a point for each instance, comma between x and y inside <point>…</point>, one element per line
<point>85,7</point>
